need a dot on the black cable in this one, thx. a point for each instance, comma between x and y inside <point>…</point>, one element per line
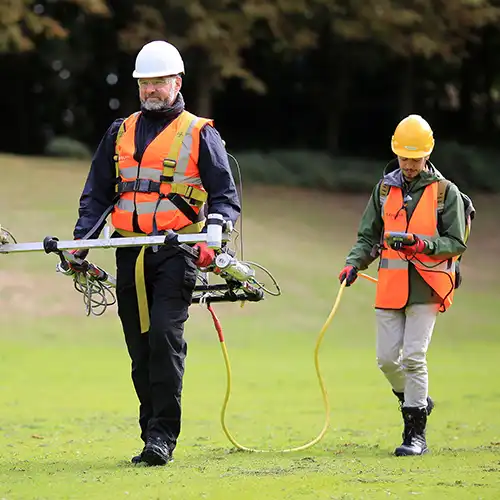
<point>431,269</point>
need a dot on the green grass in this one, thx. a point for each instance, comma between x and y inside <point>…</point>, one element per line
<point>68,411</point>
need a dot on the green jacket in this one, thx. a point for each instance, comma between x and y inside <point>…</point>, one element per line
<point>451,227</point>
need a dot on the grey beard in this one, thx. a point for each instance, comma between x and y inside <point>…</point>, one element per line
<point>155,105</point>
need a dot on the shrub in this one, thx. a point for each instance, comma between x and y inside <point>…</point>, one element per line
<point>310,169</point>
<point>470,167</point>
<point>66,147</point>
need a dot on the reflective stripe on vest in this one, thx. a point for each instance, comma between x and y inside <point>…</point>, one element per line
<point>393,279</point>
<point>403,264</point>
<point>171,160</point>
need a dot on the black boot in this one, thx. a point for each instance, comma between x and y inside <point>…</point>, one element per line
<point>137,459</point>
<point>401,397</point>
<point>415,422</point>
<point>156,452</point>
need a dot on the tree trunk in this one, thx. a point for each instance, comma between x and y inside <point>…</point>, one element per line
<point>205,84</point>
<point>466,95</point>
<point>337,97</point>
<point>488,125</point>
<point>406,88</point>
<point>335,87</point>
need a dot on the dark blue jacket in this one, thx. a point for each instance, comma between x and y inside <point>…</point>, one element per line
<point>215,173</point>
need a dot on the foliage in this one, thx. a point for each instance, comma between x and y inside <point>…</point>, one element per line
<point>218,31</point>
<point>415,27</point>
<point>23,21</point>
<point>325,75</point>
<point>66,147</point>
<point>471,168</point>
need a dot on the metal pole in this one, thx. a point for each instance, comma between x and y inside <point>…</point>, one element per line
<point>108,242</point>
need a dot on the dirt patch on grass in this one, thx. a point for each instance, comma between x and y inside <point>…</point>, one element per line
<point>37,295</point>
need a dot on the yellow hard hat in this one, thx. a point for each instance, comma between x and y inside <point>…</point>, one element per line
<point>413,138</point>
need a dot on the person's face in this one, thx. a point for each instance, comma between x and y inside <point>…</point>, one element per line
<point>159,93</point>
<point>411,167</point>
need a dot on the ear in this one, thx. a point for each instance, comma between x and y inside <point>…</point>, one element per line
<point>178,82</point>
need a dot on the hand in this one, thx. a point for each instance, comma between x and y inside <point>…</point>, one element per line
<point>410,250</point>
<point>206,255</point>
<point>78,253</point>
<point>349,274</point>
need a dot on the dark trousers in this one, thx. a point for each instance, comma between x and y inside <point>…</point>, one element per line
<point>158,355</point>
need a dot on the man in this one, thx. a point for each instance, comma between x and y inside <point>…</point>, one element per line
<point>158,169</point>
<point>415,280</point>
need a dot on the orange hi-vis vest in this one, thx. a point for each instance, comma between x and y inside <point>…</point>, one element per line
<point>393,274</point>
<point>164,189</point>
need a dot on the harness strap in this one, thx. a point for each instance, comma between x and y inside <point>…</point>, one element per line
<point>139,186</point>
<point>195,195</point>
<point>140,281</point>
<point>191,192</point>
<point>121,131</point>
<point>101,220</point>
<point>185,207</point>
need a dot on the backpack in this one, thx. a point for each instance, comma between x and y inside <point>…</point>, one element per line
<point>469,212</point>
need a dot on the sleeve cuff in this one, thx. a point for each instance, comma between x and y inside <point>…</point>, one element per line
<point>429,247</point>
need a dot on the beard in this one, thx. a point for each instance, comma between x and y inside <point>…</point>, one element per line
<point>155,105</point>
<point>159,104</point>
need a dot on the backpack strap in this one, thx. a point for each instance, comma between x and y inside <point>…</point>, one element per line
<point>383,192</point>
<point>442,188</point>
<point>469,210</point>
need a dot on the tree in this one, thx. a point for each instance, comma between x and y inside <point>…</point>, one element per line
<point>410,29</point>
<point>45,78</point>
<point>405,32</point>
<point>23,21</point>
<point>213,35</point>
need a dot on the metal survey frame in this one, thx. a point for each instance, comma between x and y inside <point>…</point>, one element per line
<point>218,233</point>
<point>214,237</point>
<point>109,242</point>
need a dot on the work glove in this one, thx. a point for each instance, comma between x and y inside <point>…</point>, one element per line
<point>410,250</point>
<point>349,274</point>
<point>79,253</point>
<point>205,256</point>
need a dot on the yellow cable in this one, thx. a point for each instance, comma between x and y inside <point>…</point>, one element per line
<point>318,373</point>
<point>368,277</point>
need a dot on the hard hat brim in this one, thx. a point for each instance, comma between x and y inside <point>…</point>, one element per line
<point>404,153</point>
<point>154,74</point>
<point>399,150</point>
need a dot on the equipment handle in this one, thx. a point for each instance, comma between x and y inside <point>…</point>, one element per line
<point>172,239</point>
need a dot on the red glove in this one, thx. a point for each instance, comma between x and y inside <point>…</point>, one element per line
<point>418,247</point>
<point>350,274</point>
<point>206,255</point>
<point>79,253</point>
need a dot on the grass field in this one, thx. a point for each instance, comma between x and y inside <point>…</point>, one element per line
<point>68,411</point>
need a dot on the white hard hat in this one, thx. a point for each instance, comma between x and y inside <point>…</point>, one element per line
<point>156,59</point>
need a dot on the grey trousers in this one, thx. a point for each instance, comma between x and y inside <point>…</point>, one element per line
<point>403,337</point>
